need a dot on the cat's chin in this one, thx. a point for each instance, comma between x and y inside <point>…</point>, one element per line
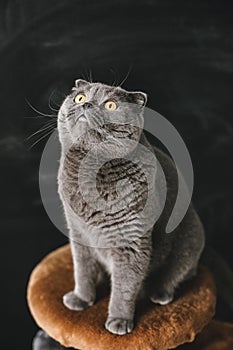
<point>80,130</point>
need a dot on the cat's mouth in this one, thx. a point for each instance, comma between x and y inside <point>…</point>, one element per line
<point>82,118</point>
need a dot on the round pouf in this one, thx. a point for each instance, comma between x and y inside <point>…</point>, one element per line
<point>156,327</point>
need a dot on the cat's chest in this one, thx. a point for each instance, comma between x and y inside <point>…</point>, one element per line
<point>106,194</point>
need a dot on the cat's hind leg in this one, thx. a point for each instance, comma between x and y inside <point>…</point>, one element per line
<point>180,264</point>
<point>167,280</point>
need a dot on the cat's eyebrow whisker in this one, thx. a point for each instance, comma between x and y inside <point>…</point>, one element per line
<point>127,75</point>
<point>115,82</point>
<point>41,138</point>
<point>61,94</point>
<point>50,99</point>
<point>85,76</point>
<point>53,109</point>
<point>90,75</point>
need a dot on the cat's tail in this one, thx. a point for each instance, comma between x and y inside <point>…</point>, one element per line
<point>222,274</point>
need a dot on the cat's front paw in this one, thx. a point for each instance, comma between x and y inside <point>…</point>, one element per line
<point>119,326</point>
<point>73,302</point>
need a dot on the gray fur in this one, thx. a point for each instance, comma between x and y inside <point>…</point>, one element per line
<point>155,263</point>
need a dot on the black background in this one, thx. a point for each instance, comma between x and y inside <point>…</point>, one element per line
<point>180,53</point>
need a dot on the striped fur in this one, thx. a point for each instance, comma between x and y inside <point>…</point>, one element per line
<point>124,242</point>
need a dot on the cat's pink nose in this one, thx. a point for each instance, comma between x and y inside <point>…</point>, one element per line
<point>87,105</point>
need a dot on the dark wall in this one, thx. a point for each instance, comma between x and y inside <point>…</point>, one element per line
<point>180,53</point>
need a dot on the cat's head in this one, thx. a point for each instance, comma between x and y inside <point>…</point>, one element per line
<point>104,108</point>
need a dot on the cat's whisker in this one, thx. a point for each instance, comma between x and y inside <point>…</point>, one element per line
<point>41,138</point>
<point>40,130</point>
<point>37,111</point>
<point>52,116</point>
<point>51,122</point>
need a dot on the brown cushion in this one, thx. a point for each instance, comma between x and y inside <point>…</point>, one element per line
<point>156,327</point>
<point>216,335</point>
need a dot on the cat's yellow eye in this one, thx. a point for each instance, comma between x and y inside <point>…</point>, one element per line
<point>110,105</point>
<point>80,98</point>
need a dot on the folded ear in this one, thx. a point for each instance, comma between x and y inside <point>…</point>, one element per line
<point>139,97</point>
<point>81,83</point>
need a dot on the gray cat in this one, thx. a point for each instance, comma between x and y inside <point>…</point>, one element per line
<point>123,241</point>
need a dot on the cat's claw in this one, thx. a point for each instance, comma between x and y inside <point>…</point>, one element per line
<point>162,298</point>
<point>119,326</point>
<point>73,302</point>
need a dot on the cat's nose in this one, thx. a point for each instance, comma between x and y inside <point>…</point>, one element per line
<point>87,105</point>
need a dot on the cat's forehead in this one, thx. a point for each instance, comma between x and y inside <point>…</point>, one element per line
<point>97,88</point>
<point>101,90</point>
